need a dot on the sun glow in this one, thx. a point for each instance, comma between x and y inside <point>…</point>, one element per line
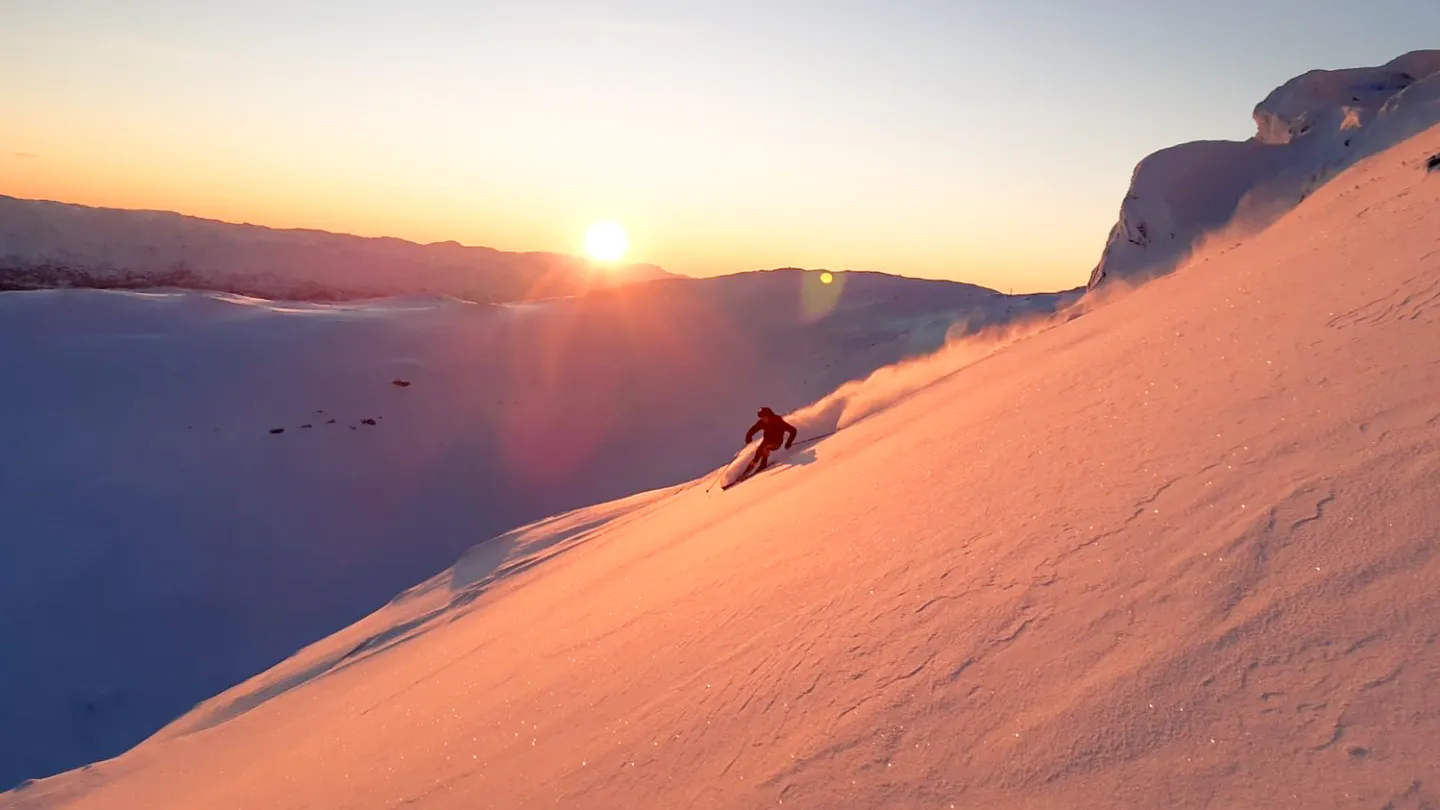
<point>606,241</point>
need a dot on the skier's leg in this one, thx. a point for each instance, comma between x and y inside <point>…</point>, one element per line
<point>754,460</point>
<point>763,456</point>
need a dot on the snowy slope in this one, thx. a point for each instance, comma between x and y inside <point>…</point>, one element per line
<point>1177,552</point>
<point>1306,130</point>
<point>49,244</point>
<point>162,544</point>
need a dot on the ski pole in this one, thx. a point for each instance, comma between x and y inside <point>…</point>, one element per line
<point>717,477</point>
<point>815,438</point>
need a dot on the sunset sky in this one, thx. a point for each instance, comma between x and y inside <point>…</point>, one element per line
<point>981,141</point>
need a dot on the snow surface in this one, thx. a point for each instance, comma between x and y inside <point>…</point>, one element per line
<point>50,244</point>
<point>1306,130</point>
<point>1178,552</point>
<point>162,544</point>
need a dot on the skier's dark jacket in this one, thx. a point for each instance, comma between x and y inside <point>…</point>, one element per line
<point>775,430</point>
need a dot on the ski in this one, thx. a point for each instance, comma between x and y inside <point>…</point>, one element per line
<point>743,479</point>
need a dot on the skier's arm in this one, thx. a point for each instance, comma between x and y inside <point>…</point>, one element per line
<point>755,428</point>
<point>791,433</point>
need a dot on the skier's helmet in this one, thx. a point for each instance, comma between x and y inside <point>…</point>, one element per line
<point>764,412</point>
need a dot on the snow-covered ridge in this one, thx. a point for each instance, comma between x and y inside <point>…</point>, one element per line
<point>51,244</point>
<point>1306,130</point>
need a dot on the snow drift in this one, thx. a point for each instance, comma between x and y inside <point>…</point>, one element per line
<point>1178,552</point>
<point>1306,130</point>
<point>49,244</point>
<point>196,485</point>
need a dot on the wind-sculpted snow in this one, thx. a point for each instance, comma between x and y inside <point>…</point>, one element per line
<point>1342,100</point>
<point>1308,129</point>
<point>1176,552</point>
<point>196,485</point>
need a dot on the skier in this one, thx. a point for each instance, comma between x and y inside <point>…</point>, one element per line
<point>775,431</point>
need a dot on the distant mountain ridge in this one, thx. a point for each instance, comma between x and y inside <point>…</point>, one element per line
<point>52,244</point>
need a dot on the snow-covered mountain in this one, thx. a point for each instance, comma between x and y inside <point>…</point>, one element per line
<point>1306,130</point>
<point>49,244</point>
<point>1171,548</point>
<point>195,485</point>
<point>1176,552</point>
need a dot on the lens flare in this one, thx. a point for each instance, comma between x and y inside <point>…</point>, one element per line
<point>819,293</point>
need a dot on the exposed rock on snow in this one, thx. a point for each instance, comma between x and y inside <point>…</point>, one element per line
<point>1306,130</point>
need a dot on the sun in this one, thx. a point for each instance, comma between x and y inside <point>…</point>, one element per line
<point>606,241</point>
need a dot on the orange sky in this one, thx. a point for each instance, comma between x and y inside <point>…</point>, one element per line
<point>683,238</point>
<point>989,143</point>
